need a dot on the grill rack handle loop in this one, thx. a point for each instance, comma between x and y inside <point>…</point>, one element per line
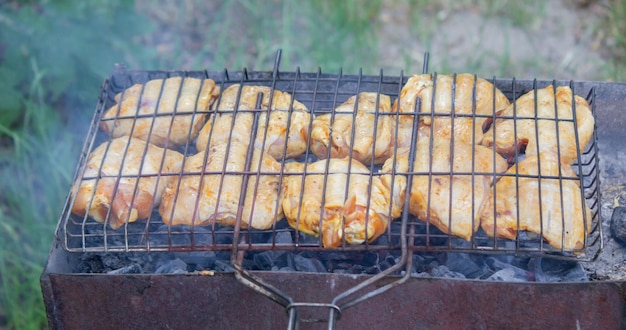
<point>293,306</point>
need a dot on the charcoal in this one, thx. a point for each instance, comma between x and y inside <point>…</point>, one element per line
<point>130,269</point>
<point>222,255</point>
<point>223,266</point>
<point>443,271</point>
<point>203,260</point>
<point>89,263</point>
<point>371,270</point>
<point>304,264</point>
<point>307,239</point>
<point>501,271</point>
<point>264,260</point>
<point>512,274</point>
<point>370,259</point>
<point>174,266</point>
<point>283,238</point>
<point>257,236</point>
<point>618,224</point>
<point>462,263</point>
<point>554,270</point>
<point>388,262</point>
<point>341,267</point>
<point>421,263</point>
<point>112,261</point>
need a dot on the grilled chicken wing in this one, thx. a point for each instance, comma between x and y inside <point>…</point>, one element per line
<point>159,96</point>
<point>339,200</point>
<point>132,196</point>
<point>204,196</point>
<point>288,119</point>
<point>362,146</point>
<point>452,202</point>
<point>466,128</point>
<point>545,126</point>
<point>551,207</point>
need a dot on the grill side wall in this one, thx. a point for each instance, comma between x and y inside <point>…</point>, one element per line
<point>98,301</point>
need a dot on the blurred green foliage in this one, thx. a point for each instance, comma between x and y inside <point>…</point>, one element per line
<point>53,58</point>
<point>74,43</point>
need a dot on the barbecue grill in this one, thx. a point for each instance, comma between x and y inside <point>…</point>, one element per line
<point>328,296</point>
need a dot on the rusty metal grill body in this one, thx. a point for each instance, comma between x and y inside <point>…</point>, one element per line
<point>321,93</point>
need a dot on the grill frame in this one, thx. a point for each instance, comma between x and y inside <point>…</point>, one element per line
<point>289,81</point>
<point>193,301</point>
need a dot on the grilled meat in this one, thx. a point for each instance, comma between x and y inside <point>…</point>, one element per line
<point>551,207</point>
<point>288,119</point>
<point>204,196</point>
<point>452,199</point>
<point>354,207</point>
<point>166,109</point>
<point>542,124</point>
<point>124,180</point>
<point>466,128</point>
<point>334,132</point>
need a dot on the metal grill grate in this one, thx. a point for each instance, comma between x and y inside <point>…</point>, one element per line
<point>321,93</point>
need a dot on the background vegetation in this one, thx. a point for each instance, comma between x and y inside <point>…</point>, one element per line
<point>54,56</point>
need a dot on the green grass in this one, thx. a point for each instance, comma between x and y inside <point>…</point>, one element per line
<point>612,33</point>
<point>50,85</point>
<point>34,164</point>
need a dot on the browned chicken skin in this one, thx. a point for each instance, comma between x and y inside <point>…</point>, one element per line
<point>466,129</point>
<point>452,202</point>
<point>204,199</point>
<point>172,130</point>
<point>124,198</point>
<point>545,127</point>
<point>558,217</point>
<point>345,212</point>
<point>289,119</point>
<point>338,136</point>
<point>210,197</point>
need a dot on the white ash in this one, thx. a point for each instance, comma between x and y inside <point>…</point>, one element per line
<point>611,263</point>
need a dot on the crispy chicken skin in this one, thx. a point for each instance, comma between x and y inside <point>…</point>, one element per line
<point>422,86</point>
<point>343,211</point>
<point>167,130</point>
<point>204,199</point>
<point>338,135</point>
<point>559,218</point>
<point>100,195</point>
<point>545,126</point>
<point>455,201</point>
<point>288,119</point>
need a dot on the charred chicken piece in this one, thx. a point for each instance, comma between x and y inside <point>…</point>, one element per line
<point>121,184</point>
<point>288,119</point>
<point>537,128</point>
<point>445,122</point>
<point>349,202</point>
<point>552,207</point>
<point>174,123</point>
<point>444,191</point>
<point>334,132</point>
